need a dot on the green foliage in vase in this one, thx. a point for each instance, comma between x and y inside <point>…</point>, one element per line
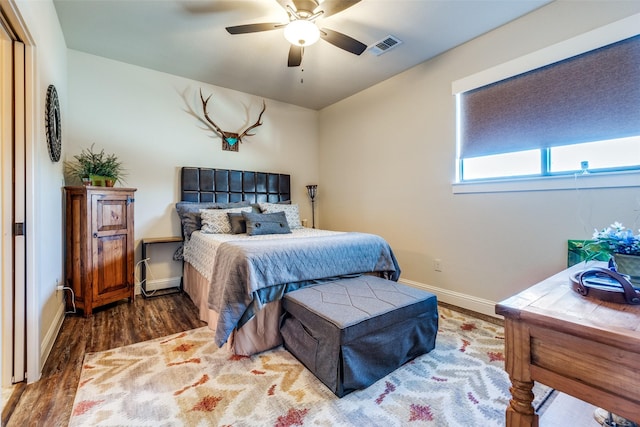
<point>89,163</point>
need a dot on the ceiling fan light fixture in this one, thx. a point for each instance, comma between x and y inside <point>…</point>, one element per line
<point>301,33</point>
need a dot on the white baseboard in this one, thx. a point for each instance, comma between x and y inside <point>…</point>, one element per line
<point>479,305</point>
<point>155,285</point>
<point>50,337</point>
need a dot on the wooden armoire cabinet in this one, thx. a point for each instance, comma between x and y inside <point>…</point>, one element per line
<point>99,258</point>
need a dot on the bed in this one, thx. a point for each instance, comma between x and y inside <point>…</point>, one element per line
<point>244,248</point>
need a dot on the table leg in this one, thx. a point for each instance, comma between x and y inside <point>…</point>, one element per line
<point>143,270</point>
<point>520,412</point>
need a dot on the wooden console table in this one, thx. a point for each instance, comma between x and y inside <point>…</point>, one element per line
<point>586,348</point>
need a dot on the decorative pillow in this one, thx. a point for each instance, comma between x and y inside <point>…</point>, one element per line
<point>238,224</point>
<point>290,211</point>
<point>269,223</point>
<point>184,207</point>
<point>190,223</point>
<point>233,205</point>
<point>178,255</point>
<point>216,221</point>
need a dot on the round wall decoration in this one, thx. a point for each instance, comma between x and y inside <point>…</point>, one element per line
<point>54,128</point>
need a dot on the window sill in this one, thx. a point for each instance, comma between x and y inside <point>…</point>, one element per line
<point>603,180</point>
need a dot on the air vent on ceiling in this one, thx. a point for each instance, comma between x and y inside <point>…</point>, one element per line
<point>385,45</point>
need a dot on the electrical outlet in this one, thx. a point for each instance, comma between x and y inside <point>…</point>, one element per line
<point>60,288</point>
<point>437,264</point>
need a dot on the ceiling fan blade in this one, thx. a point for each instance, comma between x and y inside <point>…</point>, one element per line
<point>298,5</point>
<point>308,5</point>
<point>254,28</point>
<point>331,7</point>
<point>295,56</point>
<point>343,41</point>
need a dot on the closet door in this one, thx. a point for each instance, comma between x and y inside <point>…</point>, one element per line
<point>12,183</point>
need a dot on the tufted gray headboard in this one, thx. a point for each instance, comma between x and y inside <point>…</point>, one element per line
<point>226,186</point>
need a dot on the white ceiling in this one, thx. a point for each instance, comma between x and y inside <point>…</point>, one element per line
<point>188,38</point>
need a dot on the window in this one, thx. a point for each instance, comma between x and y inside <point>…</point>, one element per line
<point>574,115</point>
<point>521,163</point>
<point>592,157</point>
<point>600,156</point>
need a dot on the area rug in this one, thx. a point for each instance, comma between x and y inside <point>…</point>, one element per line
<point>185,380</point>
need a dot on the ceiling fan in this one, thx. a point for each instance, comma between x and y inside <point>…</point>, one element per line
<point>301,30</point>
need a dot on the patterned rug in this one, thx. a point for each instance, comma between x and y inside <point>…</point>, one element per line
<point>185,380</point>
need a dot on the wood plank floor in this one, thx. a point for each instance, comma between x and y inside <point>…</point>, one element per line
<point>48,402</point>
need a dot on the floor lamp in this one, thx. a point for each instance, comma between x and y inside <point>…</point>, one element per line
<point>311,190</point>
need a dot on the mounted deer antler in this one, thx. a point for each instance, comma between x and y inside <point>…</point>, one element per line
<point>230,139</point>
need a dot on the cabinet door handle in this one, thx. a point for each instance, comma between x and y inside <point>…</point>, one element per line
<point>95,235</point>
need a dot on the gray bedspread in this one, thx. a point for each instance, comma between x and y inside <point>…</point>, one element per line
<point>241,269</point>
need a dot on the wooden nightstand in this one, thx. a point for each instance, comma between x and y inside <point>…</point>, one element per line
<point>143,267</point>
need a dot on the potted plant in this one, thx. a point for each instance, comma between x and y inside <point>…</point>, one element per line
<point>621,244</point>
<point>95,168</point>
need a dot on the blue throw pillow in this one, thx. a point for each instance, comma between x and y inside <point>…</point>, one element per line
<point>271,223</point>
<point>238,224</point>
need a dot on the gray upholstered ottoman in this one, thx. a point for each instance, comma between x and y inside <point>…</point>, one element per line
<point>352,332</point>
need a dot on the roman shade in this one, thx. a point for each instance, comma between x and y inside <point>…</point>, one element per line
<point>589,97</point>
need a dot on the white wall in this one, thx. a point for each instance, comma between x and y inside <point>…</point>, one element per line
<point>147,119</point>
<point>387,164</point>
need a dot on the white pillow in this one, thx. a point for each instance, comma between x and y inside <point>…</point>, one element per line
<point>290,211</point>
<point>216,221</point>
